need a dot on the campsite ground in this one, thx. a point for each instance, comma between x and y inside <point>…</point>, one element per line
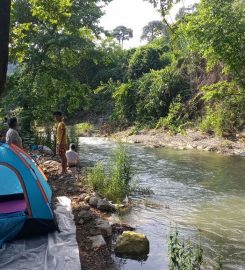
<point>71,186</point>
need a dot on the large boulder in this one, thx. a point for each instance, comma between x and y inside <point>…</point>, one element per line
<point>104,205</point>
<point>132,245</point>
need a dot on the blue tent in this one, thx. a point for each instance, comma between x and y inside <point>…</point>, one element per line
<point>25,196</point>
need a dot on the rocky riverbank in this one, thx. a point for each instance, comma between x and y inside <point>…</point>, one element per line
<point>96,236</point>
<point>93,230</point>
<point>191,139</point>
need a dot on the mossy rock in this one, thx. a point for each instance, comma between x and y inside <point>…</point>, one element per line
<point>132,245</point>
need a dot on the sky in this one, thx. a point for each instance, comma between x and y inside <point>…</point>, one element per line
<point>134,14</point>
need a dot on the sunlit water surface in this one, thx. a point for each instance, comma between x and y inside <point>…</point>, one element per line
<point>203,194</point>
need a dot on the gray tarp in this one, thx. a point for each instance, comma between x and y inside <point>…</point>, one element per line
<point>56,251</point>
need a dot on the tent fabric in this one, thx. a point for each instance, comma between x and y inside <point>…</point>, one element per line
<point>41,177</point>
<point>11,183</point>
<point>19,175</point>
<point>12,206</point>
<point>55,251</point>
<point>11,225</point>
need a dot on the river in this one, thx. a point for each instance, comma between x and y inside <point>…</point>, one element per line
<point>202,194</point>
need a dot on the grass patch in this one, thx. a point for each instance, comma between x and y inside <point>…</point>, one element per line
<point>97,178</point>
<point>114,185</point>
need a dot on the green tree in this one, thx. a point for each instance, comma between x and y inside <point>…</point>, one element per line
<point>122,33</point>
<point>153,30</point>
<point>146,58</point>
<point>49,40</point>
<point>216,31</point>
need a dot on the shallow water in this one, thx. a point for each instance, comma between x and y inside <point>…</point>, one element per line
<point>200,193</point>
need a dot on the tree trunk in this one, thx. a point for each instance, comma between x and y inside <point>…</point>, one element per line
<point>4,40</point>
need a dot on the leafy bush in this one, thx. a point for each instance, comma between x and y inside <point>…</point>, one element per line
<point>225,108</point>
<point>146,58</point>
<point>156,91</point>
<point>125,102</point>
<point>183,255</point>
<point>174,122</point>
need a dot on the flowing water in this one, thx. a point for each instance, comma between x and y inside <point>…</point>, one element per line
<point>203,194</point>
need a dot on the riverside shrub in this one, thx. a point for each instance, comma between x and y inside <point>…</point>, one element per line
<point>114,185</point>
<point>183,255</point>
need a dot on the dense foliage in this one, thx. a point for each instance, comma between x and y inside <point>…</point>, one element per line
<point>190,73</point>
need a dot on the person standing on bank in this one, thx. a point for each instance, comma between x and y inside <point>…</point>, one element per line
<point>12,135</point>
<point>61,140</point>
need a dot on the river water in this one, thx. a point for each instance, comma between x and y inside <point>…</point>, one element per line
<point>202,194</point>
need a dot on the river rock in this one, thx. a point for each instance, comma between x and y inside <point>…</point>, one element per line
<point>200,147</point>
<point>83,196</point>
<point>84,206</point>
<point>104,226</point>
<point>104,205</point>
<point>85,215</point>
<point>93,231</point>
<point>87,198</point>
<point>97,241</point>
<point>132,245</point>
<point>189,146</point>
<point>93,201</point>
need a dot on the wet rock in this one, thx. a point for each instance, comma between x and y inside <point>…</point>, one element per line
<point>104,205</point>
<point>93,201</point>
<point>132,245</point>
<point>104,226</point>
<point>85,215</point>
<point>97,241</point>
<point>119,228</point>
